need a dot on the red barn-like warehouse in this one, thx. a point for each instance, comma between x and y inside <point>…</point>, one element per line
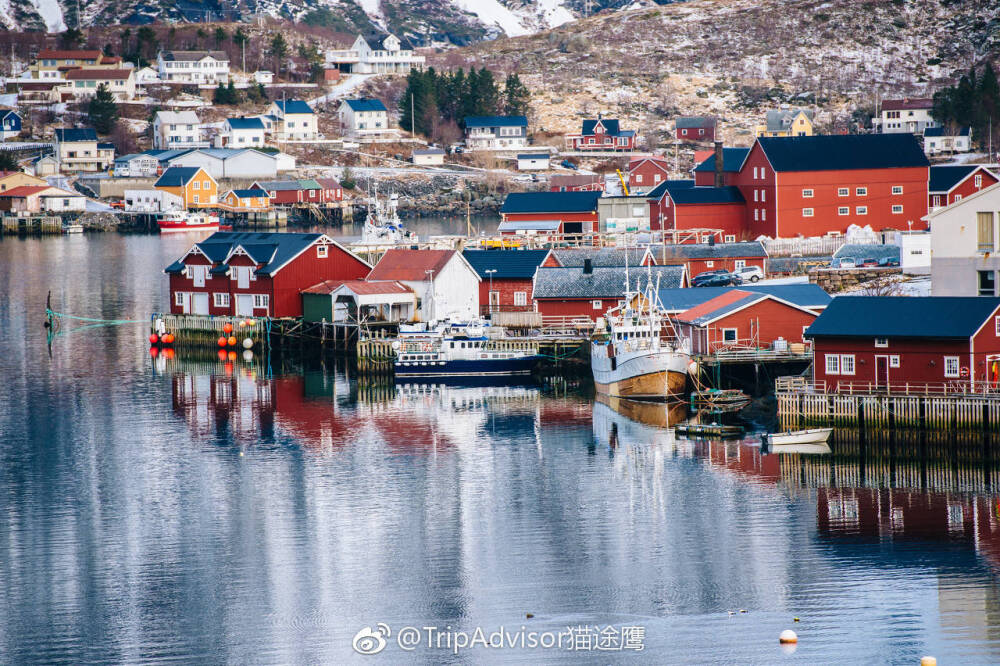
<point>560,212</point>
<point>680,204</point>
<point>506,278</point>
<point>951,183</point>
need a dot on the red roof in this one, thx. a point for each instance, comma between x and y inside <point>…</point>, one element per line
<point>659,161</point>
<point>717,303</point>
<point>410,265</point>
<point>360,287</point>
<point>24,190</point>
<point>904,104</point>
<point>55,54</point>
<point>98,74</point>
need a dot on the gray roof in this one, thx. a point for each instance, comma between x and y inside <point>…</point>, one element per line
<point>191,56</point>
<point>694,122</point>
<point>605,256</point>
<point>706,251</point>
<point>781,120</point>
<point>602,282</point>
<point>861,251</point>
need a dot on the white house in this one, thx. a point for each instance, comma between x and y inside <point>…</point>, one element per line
<point>445,283</point>
<point>241,133</point>
<point>427,156</point>
<point>532,161</point>
<point>965,245</point>
<point>361,118</point>
<point>174,130</point>
<point>938,140</point>
<point>83,83</point>
<point>136,165</point>
<point>263,77</point>
<point>496,132</point>
<point>905,116</point>
<point>361,58</point>
<point>151,201</point>
<point>77,149</point>
<point>56,200</point>
<point>146,76</point>
<point>197,67</point>
<point>291,120</point>
<point>230,162</point>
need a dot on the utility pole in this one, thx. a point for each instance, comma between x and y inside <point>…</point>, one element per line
<point>243,44</point>
<point>413,128</point>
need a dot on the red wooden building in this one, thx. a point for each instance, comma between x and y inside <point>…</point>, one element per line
<point>590,291</point>
<point>332,190</point>
<point>577,182</point>
<point>256,274</point>
<point>885,341</point>
<point>556,212</point>
<point>680,204</point>
<point>306,190</point>
<point>602,134</point>
<point>827,183</point>
<point>700,257</point>
<point>951,183</point>
<point>732,160</point>
<point>694,128</point>
<point>743,319</point>
<point>645,173</point>
<point>506,278</point>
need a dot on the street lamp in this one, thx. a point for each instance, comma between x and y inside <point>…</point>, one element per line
<point>490,272</point>
<point>430,283</point>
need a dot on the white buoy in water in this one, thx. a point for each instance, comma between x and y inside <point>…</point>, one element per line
<point>788,636</point>
<point>928,661</point>
<point>247,343</point>
<point>247,355</point>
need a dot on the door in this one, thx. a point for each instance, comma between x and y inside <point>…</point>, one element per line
<point>185,303</point>
<point>244,305</point>
<point>243,277</point>
<point>494,301</point>
<point>882,371</point>
<point>199,276</point>
<point>993,370</point>
<point>200,303</point>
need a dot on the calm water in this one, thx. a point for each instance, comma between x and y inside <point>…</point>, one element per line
<point>188,510</point>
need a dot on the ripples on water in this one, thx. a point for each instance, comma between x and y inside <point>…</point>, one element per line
<point>190,510</point>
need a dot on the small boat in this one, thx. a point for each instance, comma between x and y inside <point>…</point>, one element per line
<point>382,223</point>
<point>807,449</point>
<point>182,220</point>
<point>73,228</point>
<point>722,400</point>
<point>790,437</point>
<point>461,350</point>
<point>703,430</point>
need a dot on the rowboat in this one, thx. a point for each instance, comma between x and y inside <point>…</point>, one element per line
<point>790,437</point>
<point>709,430</point>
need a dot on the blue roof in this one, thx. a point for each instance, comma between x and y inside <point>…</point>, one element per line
<point>245,123</point>
<point>945,177</point>
<point>274,249</point>
<point>610,127</point>
<point>7,112</point>
<point>176,176</point>
<point>530,225</point>
<point>105,145</point>
<point>550,202</point>
<point>839,152</point>
<point>496,121</point>
<point>511,264</point>
<point>365,104</point>
<point>947,317</point>
<point>64,134</point>
<point>732,160</point>
<point>686,192</point>
<point>292,106</point>
<point>940,131</point>
<point>246,194</point>
<point>803,295</point>
<point>165,156</point>
<point>532,156</point>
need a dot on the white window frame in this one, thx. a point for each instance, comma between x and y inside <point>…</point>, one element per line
<point>755,173</point>
<point>861,210</point>
<point>735,332</point>
<point>954,362</point>
<point>808,212</point>
<point>710,264</point>
<point>861,191</point>
<point>731,238</point>
<point>881,342</point>
<point>178,298</point>
<point>322,251</point>
<point>755,196</point>
<point>261,301</point>
<point>843,210</point>
<point>843,191</point>
<point>740,263</point>
<point>845,361</point>
<point>996,323</point>
<point>894,361</point>
<point>196,185</point>
<point>756,215</point>
<point>833,364</point>
<point>220,299</point>
<point>520,298</point>
<point>897,209</point>
<point>978,180</point>
<point>808,194</point>
<point>596,304</point>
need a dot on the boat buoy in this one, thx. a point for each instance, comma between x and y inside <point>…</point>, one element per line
<point>232,341</point>
<point>928,661</point>
<point>153,338</point>
<point>529,615</point>
<point>796,619</point>
<point>250,322</point>
<point>788,636</point>
<point>222,341</point>
<point>227,328</point>
<point>222,354</point>
<point>154,351</point>
<point>168,339</point>
<point>232,357</point>
<point>247,355</point>
<point>168,353</point>
<point>243,322</point>
<point>247,343</point>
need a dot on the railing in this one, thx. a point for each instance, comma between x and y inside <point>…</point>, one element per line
<point>956,387</point>
<point>571,326</point>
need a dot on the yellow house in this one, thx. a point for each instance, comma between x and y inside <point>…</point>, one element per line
<point>193,185</point>
<point>11,179</point>
<point>787,122</point>
<point>245,200</point>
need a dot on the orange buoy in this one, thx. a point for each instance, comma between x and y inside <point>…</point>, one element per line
<point>222,354</point>
<point>232,357</point>
<point>168,338</point>
<point>222,341</point>
<point>232,340</point>
<point>153,338</point>
<point>788,636</point>
<point>227,328</point>
<point>168,353</point>
<point>154,351</point>
<point>242,323</point>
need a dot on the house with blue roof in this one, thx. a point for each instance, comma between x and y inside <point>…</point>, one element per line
<point>680,204</point>
<point>10,124</point>
<point>294,120</point>
<point>495,132</point>
<point>77,149</point>
<point>257,274</point>
<point>895,341</point>
<point>947,140</point>
<point>506,278</point>
<point>701,257</point>
<point>241,132</point>
<point>732,160</point>
<point>246,163</point>
<point>553,212</point>
<point>364,118</point>
<point>602,134</point>
<point>949,183</point>
<point>251,200</point>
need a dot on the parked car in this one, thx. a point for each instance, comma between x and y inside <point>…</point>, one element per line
<point>888,261</point>
<point>868,263</point>
<point>724,279</point>
<point>843,262</point>
<point>706,275</point>
<point>569,165</point>
<point>750,273</point>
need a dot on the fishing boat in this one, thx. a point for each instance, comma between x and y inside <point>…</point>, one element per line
<point>639,355</point>
<point>182,220</point>
<point>707,430</point>
<point>462,351</point>
<point>382,223</point>
<point>72,228</point>
<point>797,437</point>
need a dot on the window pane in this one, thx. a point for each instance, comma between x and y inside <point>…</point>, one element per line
<point>987,283</point>
<point>985,224</point>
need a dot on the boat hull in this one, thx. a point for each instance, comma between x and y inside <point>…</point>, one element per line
<point>173,227</point>
<point>467,368</point>
<point>813,436</point>
<point>652,375</point>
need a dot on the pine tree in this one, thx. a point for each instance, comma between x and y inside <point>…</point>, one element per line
<point>515,96</point>
<point>487,95</point>
<point>220,36</point>
<point>278,50</point>
<point>221,95</point>
<point>103,111</point>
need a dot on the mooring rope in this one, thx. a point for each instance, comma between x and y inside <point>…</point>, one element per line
<point>52,314</point>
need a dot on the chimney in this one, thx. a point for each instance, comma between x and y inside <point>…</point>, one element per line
<point>588,266</point>
<point>719,178</point>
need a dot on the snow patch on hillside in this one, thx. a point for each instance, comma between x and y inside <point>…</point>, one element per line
<point>491,12</point>
<point>373,8</point>
<point>51,13</point>
<point>5,17</point>
<point>554,13</point>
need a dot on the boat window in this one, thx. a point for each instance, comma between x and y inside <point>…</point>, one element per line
<point>461,344</point>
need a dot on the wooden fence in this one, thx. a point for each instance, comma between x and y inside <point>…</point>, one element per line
<point>205,330</point>
<point>797,409</point>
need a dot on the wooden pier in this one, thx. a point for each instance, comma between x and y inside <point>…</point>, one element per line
<point>31,224</point>
<point>958,405</point>
<point>205,330</point>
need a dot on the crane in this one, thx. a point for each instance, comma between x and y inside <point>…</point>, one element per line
<point>622,178</point>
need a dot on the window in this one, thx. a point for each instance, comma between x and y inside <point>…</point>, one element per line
<point>740,263</point>
<point>321,251</point>
<point>596,305</point>
<point>897,209</point>
<point>730,238</point>
<point>684,132</point>
<point>205,185</point>
<point>833,364</point>
<point>894,361</point>
<point>763,195</point>
<point>178,298</point>
<point>705,238</point>
<point>987,283</point>
<point>221,300</point>
<point>195,199</point>
<point>710,264</point>
<point>260,300</point>
<point>897,189</point>
<point>951,366</point>
<point>763,172</point>
<point>756,215</point>
<point>847,364</point>
<point>196,185</point>
<point>755,172</point>
<point>843,191</point>
<point>979,180</point>
<point>638,177</point>
<point>861,210</point>
<point>520,298</point>
<point>807,194</point>
<point>763,215</point>
<point>755,195</point>
<point>861,191</point>
<point>807,212</point>
<point>729,335</point>
<point>881,342</point>
<point>987,240</point>
<point>844,210</point>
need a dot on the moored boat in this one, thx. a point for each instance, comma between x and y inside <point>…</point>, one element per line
<point>791,437</point>
<point>460,352</point>
<point>182,220</point>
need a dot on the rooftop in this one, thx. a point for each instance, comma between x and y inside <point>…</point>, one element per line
<point>496,121</point>
<point>64,134</point>
<point>508,264</point>
<point>602,282</point>
<point>550,202</point>
<point>732,160</point>
<point>804,295</point>
<point>410,265</point>
<point>907,104</point>
<point>192,56</point>
<point>840,152</point>
<point>98,74</point>
<point>707,251</point>
<point>944,317</point>
<point>694,122</point>
<point>357,105</point>
<point>943,178</point>
<point>177,176</point>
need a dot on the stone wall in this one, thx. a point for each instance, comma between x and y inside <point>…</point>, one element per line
<point>840,279</point>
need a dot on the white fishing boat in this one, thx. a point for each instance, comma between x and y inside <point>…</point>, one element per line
<point>182,220</point>
<point>382,223</point>
<point>798,438</point>
<point>639,355</point>
<point>72,228</point>
<point>461,350</point>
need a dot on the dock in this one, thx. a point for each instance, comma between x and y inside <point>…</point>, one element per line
<point>31,224</point>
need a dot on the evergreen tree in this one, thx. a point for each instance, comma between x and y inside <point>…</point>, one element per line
<point>71,38</point>
<point>103,110</point>
<point>515,96</point>
<point>239,37</point>
<point>278,50</point>
<point>147,44</point>
<point>486,94</point>
<point>8,162</point>
<point>220,36</point>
